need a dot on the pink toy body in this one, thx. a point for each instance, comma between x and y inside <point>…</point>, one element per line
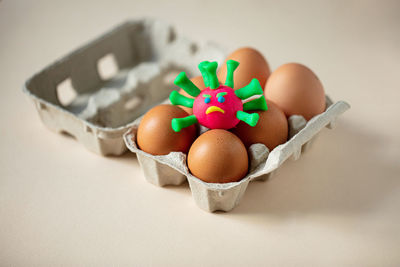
<point>217,108</point>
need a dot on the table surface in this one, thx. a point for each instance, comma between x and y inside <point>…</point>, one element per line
<point>338,205</point>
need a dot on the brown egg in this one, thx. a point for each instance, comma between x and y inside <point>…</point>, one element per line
<point>271,129</point>
<point>155,135</point>
<point>252,65</point>
<point>296,90</point>
<point>218,156</point>
<point>198,81</point>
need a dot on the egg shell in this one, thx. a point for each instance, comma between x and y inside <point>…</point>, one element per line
<point>271,130</point>
<point>252,64</point>
<point>218,156</point>
<point>156,136</point>
<point>296,90</point>
<point>198,81</point>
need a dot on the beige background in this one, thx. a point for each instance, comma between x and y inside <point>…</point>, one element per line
<point>338,205</point>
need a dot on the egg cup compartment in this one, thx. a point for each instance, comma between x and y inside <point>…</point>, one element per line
<point>96,92</point>
<point>161,174</point>
<point>172,169</point>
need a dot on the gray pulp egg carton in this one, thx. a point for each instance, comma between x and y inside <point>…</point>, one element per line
<point>98,90</point>
<point>172,169</point>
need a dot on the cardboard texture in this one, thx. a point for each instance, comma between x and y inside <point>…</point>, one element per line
<point>172,169</point>
<point>147,55</point>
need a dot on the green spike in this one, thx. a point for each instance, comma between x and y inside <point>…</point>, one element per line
<point>179,123</point>
<point>178,99</point>
<point>183,82</point>
<point>211,69</point>
<point>256,104</point>
<point>204,73</point>
<point>231,66</point>
<point>253,88</point>
<point>250,119</point>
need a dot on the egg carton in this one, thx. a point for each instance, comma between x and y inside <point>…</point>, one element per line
<point>172,169</point>
<point>113,80</point>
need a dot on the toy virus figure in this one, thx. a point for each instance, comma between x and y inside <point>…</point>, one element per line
<point>217,106</point>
